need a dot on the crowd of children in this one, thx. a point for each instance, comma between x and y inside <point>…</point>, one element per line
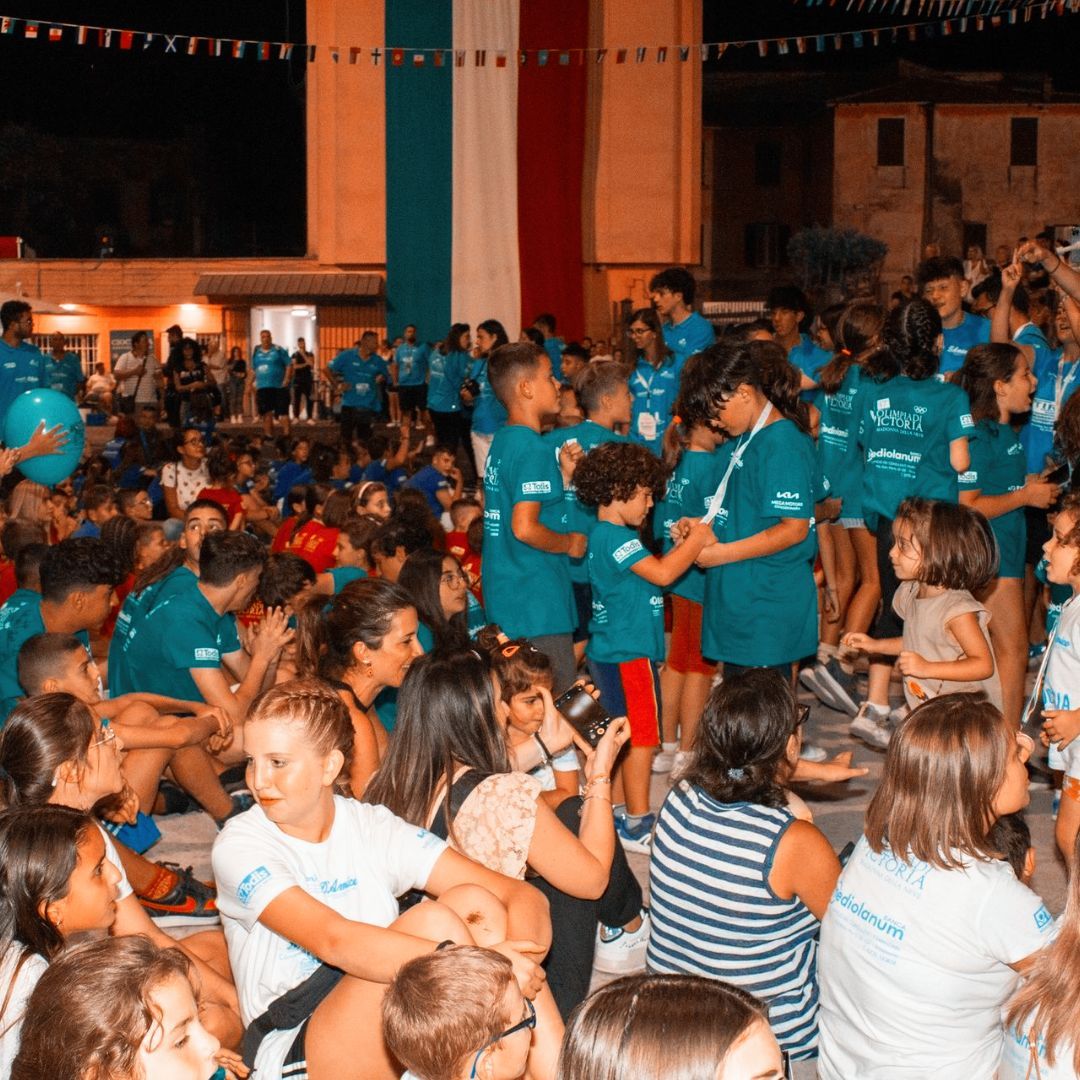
<point>353,658</point>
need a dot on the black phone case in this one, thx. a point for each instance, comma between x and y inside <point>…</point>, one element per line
<point>587,716</point>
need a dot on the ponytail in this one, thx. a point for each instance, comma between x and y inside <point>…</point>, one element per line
<point>857,334</point>
<point>676,440</point>
<point>780,381</point>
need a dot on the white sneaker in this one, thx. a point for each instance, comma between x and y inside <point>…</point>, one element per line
<point>619,951</point>
<point>663,760</point>
<point>810,752</point>
<point>871,724</point>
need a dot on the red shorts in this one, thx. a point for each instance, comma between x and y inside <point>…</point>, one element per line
<point>631,689</point>
<point>684,654</point>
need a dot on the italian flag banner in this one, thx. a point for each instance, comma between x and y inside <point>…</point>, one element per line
<point>484,166</point>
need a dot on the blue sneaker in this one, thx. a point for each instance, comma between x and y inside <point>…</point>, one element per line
<point>636,837</point>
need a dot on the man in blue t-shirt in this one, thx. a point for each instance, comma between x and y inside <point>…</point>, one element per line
<point>63,369</point>
<point>685,331</point>
<point>360,374</point>
<point>788,309</point>
<point>270,370</point>
<point>941,282</point>
<point>410,372</point>
<point>22,368</point>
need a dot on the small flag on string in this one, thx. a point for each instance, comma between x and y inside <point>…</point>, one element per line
<point>857,39</point>
<point>800,44</point>
<point>147,40</point>
<point>219,46</point>
<point>600,54</point>
<point>640,54</point>
<point>480,58</point>
<point>376,57</point>
<point>264,50</point>
<point>104,38</point>
<point>284,51</point>
<point>542,58</point>
<point>335,53</point>
<point>192,46</point>
<point>437,58</point>
<point>763,48</point>
<point>564,59</point>
<point>170,42</point>
<point>238,48</point>
<point>704,53</point>
<point>783,47</point>
<point>397,57</point>
<point>721,47</point>
<point>500,60</point>
<point>311,50</point>
<point>354,52</point>
<point>418,59</point>
<point>684,53</point>
<point>819,43</point>
<point>523,57</point>
<point>7,26</point>
<point>661,54</point>
<point>620,56</point>
<point>838,41</point>
<point>31,31</point>
<point>56,33</point>
<point>459,58</point>
<point>80,36</point>
<point>127,39</point>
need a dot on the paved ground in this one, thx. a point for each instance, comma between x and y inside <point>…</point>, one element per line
<point>838,811</point>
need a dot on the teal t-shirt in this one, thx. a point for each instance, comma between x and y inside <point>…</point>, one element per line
<point>655,391</point>
<point>627,611</point>
<point>809,357</point>
<point>446,374</point>
<point>21,368</point>
<point>763,611</point>
<point>134,609</point>
<point>688,494</point>
<point>690,336</point>
<point>412,362</point>
<point>64,374</point>
<point>997,467</point>
<point>475,615</point>
<point>343,575</point>
<point>360,375</point>
<point>178,634</point>
<point>905,428</point>
<point>20,620</point>
<point>956,340</point>
<point>269,366</point>
<point>838,446</point>
<point>526,591</point>
<point>575,516</point>
<point>1058,379</point>
<point>489,413</point>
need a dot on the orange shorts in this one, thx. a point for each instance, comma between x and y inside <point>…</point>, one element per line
<point>684,654</point>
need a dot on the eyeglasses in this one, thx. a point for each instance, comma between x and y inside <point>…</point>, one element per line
<point>638,332</point>
<point>528,1022</point>
<point>194,442</point>
<point>454,578</point>
<point>107,735</point>
<point>802,716</point>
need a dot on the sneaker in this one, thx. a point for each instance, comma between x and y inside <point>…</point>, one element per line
<point>636,837</point>
<point>619,951</point>
<point>838,685</point>
<point>810,752</point>
<point>808,679</point>
<point>871,724</point>
<point>898,715</point>
<point>190,902</point>
<point>663,760</point>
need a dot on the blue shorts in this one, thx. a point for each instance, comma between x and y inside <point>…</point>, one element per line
<point>631,689</point>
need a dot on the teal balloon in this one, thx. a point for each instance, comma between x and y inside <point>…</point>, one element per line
<point>50,407</point>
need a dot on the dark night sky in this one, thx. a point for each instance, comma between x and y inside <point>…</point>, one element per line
<point>244,121</point>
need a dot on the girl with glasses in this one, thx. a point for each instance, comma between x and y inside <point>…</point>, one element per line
<point>439,588</point>
<point>654,379</point>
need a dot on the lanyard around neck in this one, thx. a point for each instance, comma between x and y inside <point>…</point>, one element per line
<point>717,501</point>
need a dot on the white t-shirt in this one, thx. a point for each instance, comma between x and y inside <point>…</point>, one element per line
<point>123,886</point>
<point>1016,1058</point>
<point>369,859</point>
<point>1061,681</point>
<point>188,482</point>
<point>913,966</point>
<point>126,371</point>
<point>563,762</point>
<point>11,1022</point>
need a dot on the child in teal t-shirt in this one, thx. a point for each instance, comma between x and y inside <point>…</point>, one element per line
<point>526,569</point>
<point>626,633</point>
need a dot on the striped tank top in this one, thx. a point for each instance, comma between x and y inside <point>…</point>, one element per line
<point>713,913</point>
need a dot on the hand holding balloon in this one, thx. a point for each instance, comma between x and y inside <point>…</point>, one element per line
<point>49,428</point>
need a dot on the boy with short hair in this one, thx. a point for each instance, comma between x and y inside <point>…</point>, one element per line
<point>788,308</point>
<point>554,345</point>
<point>523,478</point>
<point>77,582</point>
<point>942,282</point>
<point>440,481</point>
<point>176,650</point>
<point>99,504</point>
<point>604,396</point>
<point>685,331</point>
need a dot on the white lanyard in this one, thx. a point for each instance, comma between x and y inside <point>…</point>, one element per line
<point>1032,707</point>
<point>1062,383</point>
<point>717,501</point>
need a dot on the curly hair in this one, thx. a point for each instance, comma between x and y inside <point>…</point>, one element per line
<point>1067,430</point>
<point>612,472</point>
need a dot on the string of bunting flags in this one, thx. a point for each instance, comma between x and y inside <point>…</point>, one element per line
<point>954,17</point>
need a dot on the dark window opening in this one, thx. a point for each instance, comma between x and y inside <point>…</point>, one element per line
<point>890,142</point>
